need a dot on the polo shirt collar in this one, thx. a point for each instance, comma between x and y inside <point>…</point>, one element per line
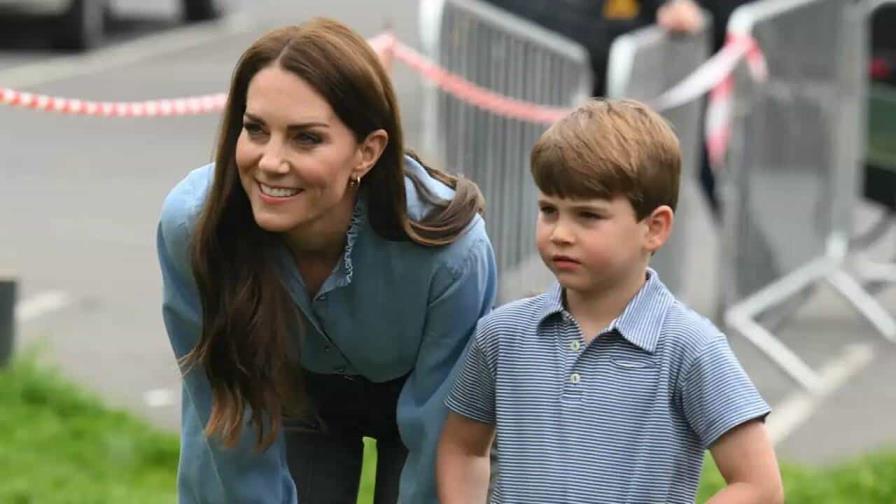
<point>641,320</point>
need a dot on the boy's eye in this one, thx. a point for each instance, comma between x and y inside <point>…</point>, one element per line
<point>546,210</point>
<point>589,215</point>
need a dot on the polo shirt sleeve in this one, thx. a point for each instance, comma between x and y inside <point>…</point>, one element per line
<point>473,395</point>
<point>717,395</point>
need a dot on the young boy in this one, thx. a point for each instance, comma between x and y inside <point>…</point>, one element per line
<point>605,388</point>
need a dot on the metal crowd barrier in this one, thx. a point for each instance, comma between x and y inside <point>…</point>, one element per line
<point>642,65</point>
<point>516,58</point>
<point>791,175</point>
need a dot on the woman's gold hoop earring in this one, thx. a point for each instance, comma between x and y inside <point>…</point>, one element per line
<point>354,181</point>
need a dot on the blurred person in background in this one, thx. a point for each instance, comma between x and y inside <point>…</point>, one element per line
<point>596,23</point>
<point>883,44</point>
<point>320,284</point>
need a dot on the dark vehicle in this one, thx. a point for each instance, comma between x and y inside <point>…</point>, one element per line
<point>81,24</point>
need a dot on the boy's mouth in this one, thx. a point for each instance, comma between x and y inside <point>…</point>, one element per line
<point>561,260</point>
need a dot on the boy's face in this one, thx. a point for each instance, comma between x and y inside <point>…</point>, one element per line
<point>592,245</point>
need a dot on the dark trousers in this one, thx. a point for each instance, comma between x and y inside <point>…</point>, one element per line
<point>325,454</point>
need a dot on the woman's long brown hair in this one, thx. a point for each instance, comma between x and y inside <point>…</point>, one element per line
<point>248,341</point>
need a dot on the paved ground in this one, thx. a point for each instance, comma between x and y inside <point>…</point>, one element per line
<point>80,198</point>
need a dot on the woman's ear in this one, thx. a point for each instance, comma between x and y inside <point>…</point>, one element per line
<point>659,227</point>
<point>370,150</point>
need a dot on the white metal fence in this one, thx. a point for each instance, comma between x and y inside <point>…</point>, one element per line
<point>793,165</point>
<point>518,59</point>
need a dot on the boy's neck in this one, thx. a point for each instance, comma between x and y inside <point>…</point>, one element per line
<point>594,310</point>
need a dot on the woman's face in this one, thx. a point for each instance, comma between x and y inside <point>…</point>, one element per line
<point>294,155</point>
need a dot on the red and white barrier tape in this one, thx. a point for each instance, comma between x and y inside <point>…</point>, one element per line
<point>153,108</point>
<point>718,112</point>
<point>714,75</point>
<point>385,45</point>
<point>713,72</point>
<point>193,105</point>
<point>477,95</point>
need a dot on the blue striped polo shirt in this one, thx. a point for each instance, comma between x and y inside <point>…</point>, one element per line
<point>626,418</point>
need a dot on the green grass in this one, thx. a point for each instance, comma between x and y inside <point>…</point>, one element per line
<point>870,479</point>
<point>60,445</point>
<point>368,472</point>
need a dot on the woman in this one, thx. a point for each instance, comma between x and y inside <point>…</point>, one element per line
<point>319,284</point>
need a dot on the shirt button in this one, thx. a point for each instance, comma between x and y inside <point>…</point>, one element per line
<point>575,345</point>
<point>575,378</point>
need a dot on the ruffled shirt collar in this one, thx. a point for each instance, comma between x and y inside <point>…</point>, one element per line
<point>342,271</point>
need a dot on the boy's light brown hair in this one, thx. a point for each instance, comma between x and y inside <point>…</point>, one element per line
<point>608,148</point>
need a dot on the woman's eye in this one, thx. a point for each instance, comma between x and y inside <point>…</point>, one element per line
<point>252,128</point>
<point>307,138</point>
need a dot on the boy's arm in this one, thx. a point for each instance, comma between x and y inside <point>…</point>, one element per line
<point>746,459</point>
<point>462,463</point>
<point>462,467</point>
<point>726,412</point>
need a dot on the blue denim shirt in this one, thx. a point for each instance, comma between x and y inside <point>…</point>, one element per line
<point>389,309</point>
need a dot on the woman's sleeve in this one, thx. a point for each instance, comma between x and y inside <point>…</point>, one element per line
<point>208,472</point>
<point>461,293</point>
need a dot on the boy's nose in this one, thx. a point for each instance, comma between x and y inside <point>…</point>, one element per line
<point>561,235</point>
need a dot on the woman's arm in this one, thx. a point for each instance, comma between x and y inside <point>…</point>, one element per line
<point>462,292</point>
<point>208,472</point>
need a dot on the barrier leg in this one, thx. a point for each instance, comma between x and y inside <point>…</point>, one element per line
<point>849,288</point>
<point>772,347</point>
<point>7,318</point>
<point>742,318</point>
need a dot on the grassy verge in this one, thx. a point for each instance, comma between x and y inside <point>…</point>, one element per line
<point>869,479</point>
<point>60,445</point>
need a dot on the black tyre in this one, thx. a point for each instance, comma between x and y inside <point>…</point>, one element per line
<point>202,10</point>
<point>82,26</point>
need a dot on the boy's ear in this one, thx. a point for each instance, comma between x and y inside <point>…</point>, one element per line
<point>659,227</point>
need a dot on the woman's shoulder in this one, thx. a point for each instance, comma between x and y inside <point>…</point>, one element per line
<point>184,202</point>
<point>181,208</point>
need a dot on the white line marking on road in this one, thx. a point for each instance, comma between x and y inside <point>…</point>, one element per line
<point>41,304</point>
<point>171,41</point>
<point>796,409</point>
<point>158,398</point>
